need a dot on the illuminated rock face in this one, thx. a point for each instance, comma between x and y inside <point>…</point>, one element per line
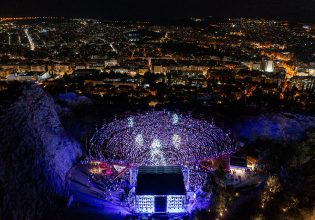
<point>282,127</point>
<point>35,155</point>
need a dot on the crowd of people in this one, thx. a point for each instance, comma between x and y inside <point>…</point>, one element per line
<point>197,180</point>
<point>160,138</point>
<point>107,183</point>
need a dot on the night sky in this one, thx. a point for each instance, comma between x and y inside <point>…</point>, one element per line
<point>162,10</point>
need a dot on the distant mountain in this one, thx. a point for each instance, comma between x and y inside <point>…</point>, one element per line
<point>36,154</point>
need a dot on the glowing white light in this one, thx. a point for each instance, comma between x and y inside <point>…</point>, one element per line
<point>156,144</point>
<point>130,122</point>
<point>175,119</point>
<point>176,140</point>
<point>157,157</point>
<point>139,140</point>
<point>145,204</point>
<point>175,204</point>
<point>269,66</point>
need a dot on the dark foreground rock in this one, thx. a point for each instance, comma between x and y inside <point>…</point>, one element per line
<point>36,154</point>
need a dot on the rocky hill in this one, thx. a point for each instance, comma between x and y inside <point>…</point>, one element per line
<point>277,126</point>
<point>36,154</point>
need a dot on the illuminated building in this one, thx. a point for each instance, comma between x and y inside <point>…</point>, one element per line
<point>43,76</point>
<point>257,66</point>
<point>303,82</point>
<point>158,69</point>
<point>268,66</point>
<point>38,68</point>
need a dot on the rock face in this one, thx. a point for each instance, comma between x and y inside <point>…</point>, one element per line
<point>36,154</point>
<point>278,126</point>
<point>72,99</point>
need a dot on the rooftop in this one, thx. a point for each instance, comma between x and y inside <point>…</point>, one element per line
<point>160,180</point>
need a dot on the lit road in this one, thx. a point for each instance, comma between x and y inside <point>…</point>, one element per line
<point>19,38</point>
<point>113,48</point>
<point>110,44</point>
<point>30,39</point>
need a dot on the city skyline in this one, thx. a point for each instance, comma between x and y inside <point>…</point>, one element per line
<point>180,109</point>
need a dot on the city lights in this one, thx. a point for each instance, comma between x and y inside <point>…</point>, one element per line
<point>189,117</point>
